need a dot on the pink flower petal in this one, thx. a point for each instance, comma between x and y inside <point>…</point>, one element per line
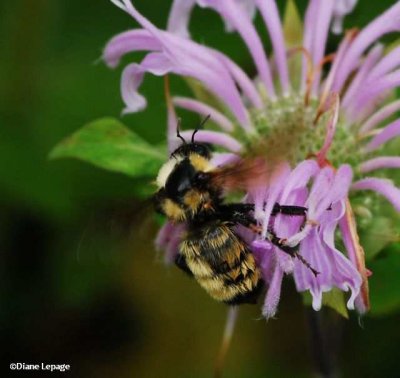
<point>383,24</point>
<point>168,239</point>
<point>309,25</point>
<point>240,20</point>
<point>341,9</point>
<point>387,133</point>
<point>243,81</point>
<point>132,40</point>
<point>273,294</point>
<point>357,82</point>
<point>131,79</point>
<point>380,163</point>
<point>380,116</point>
<point>213,137</point>
<point>179,17</point>
<point>270,14</point>
<point>374,92</point>
<point>190,59</point>
<point>387,64</point>
<point>204,110</point>
<point>320,36</point>
<point>343,47</point>
<point>381,186</point>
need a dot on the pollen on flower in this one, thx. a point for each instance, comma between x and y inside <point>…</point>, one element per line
<point>286,130</point>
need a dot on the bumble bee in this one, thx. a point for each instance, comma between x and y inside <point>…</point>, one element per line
<point>191,190</point>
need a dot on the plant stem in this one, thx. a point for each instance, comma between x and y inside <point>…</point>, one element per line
<point>325,334</point>
<point>226,340</point>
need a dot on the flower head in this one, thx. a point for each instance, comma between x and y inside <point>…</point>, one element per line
<point>321,130</point>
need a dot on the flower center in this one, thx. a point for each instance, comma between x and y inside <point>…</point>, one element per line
<point>286,132</point>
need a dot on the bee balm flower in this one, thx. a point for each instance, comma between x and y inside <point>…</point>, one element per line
<point>325,133</point>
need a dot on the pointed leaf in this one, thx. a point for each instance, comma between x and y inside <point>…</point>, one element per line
<point>108,144</point>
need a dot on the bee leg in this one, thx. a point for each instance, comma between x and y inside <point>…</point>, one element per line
<point>239,214</point>
<point>236,213</point>
<point>180,262</point>
<point>289,210</point>
<point>292,251</point>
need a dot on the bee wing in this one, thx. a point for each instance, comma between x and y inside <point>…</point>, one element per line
<point>111,224</point>
<point>243,174</point>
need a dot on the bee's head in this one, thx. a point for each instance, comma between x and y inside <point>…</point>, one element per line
<point>186,149</point>
<point>192,147</point>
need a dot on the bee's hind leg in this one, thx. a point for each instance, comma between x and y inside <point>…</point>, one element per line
<point>292,251</point>
<point>289,210</point>
<point>240,213</point>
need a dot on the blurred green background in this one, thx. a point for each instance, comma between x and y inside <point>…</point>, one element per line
<point>108,306</point>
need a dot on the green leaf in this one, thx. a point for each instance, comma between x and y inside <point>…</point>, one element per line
<point>108,144</point>
<point>333,299</point>
<point>379,233</point>
<point>385,283</point>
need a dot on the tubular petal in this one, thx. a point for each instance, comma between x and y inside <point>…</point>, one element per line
<point>380,116</point>
<point>320,36</point>
<point>270,14</point>
<point>380,163</point>
<point>360,78</point>
<point>382,186</point>
<point>389,132</point>
<point>383,24</point>
<point>309,29</point>
<point>204,109</point>
<point>132,40</point>
<point>214,137</point>
<point>240,21</point>
<point>179,17</point>
<point>387,64</point>
<point>342,8</point>
<point>373,93</point>
<point>273,294</point>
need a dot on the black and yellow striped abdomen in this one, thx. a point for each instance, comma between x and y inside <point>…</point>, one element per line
<point>222,263</point>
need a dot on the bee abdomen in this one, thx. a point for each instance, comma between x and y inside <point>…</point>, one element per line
<point>223,265</point>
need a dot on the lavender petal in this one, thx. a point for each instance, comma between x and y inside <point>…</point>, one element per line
<point>383,24</point>
<point>380,116</point>
<point>204,110</point>
<point>213,137</point>
<point>238,18</point>
<point>123,43</point>
<point>389,132</point>
<point>382,186</point>
<point>270,14</point>
<point>179,17</point>
<point>380,163</point>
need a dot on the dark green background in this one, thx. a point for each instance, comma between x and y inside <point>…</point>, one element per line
<point>70,294</point>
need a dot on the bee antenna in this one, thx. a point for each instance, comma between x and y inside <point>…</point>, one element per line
<point>202,123</point>
<point>178,126</point>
